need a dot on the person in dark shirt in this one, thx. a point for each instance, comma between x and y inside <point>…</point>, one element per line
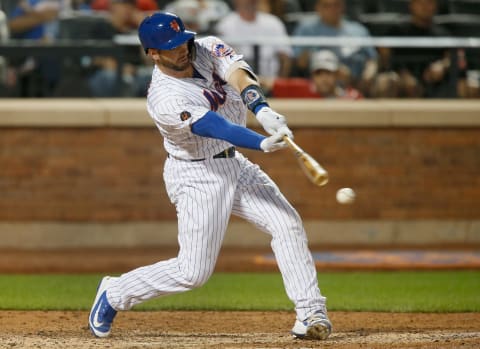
<point>124,17</point>
<point>422,72</point>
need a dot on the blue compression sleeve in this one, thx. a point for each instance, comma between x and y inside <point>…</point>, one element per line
<point>214,126</point>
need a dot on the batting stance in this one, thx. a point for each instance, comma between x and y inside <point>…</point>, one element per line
<point>198,98</point>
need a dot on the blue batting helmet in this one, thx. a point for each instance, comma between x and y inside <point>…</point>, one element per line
<point>163,31</point>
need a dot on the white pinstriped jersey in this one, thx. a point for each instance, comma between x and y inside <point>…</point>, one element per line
<point>206,193</point>
<point>174,104</point>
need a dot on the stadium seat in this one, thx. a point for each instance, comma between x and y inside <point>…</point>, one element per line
<point>73,82</point>
<point>86,27</point>
<point>402,6</point>
<point>465,6</point>
<point>393,6</point>
<point>352,7</point>
<point>294,18</point>
<point>379,23</point>
<point>7,6</point>
<point>462,25</point>
<point>355,8</point>
<point>307,5</point>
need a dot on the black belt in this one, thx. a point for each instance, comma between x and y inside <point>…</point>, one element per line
<point>226,153</point>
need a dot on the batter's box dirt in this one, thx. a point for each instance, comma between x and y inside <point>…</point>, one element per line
<point>224,330</point>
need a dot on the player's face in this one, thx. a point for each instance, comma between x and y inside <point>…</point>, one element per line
<point>177,59</point>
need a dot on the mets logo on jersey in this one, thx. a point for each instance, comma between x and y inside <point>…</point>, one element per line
<point>175,26</point>
<point>222,50</point>
<point>185,115</point>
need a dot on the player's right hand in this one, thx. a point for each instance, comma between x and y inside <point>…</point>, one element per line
<point>273,122</point>
<point>274,142</point>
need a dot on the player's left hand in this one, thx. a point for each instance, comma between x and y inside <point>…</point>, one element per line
<point>274,142</point>
<point>273,122</point>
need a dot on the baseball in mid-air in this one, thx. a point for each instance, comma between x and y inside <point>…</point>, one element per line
<point>345,196</point>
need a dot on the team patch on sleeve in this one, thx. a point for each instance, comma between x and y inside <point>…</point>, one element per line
<point>251,96</point>
<point>222,50</point>
<point>185,115</point>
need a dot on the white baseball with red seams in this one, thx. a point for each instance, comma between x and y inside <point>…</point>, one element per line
<point>205,193</point>
<point>346,196</point>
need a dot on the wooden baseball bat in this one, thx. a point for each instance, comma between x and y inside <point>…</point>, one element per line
<point>316,173</point>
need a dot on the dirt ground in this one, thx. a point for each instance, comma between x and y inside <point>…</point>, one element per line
<point>238,330</point>
<point>198,329</point>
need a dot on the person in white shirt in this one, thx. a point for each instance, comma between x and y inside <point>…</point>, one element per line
<point>247,21</point>
<point>199,15</point>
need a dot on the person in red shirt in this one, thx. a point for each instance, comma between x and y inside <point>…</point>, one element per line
<point>325,81</point>
<point>142,5</point>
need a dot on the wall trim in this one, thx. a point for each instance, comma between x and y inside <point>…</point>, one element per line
<point>131,112</point>
<point>33,235</point>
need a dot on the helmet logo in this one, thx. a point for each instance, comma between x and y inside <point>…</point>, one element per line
<point>175,26</point>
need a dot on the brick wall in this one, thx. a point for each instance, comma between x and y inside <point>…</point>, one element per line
<point>115,174</point>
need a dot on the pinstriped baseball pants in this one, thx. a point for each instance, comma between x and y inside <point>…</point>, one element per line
<point>205,194</point>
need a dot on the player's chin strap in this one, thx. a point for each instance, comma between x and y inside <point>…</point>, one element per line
<point>253,97</point>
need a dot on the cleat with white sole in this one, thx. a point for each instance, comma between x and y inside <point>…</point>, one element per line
<point>317,326</point>
<point>102,314</point>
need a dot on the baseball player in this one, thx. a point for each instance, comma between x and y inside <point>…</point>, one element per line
<point>198,99</point>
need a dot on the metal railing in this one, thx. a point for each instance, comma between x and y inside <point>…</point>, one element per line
<point>116,48</point>
<point>451,43</point>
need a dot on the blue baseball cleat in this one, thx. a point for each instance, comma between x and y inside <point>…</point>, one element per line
<point>317,326</point>
<point>102,314</point>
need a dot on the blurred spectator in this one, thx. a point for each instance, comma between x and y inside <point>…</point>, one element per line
<point>7,6</point>
<point>3,61</point>
<point>125,17</point>
<point>279,8</point>
<point>80,5</point>
<point>359,63</point>
<point>471,87</point>
<point>422,72</point>
<point>35,20</point>
<point>309,5</point>
<point>323,83</point>
<point>138,5</point>
<point>247,22</point>
<point>200,16</point>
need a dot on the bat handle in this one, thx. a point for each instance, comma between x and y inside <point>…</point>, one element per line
<point>292,144</point>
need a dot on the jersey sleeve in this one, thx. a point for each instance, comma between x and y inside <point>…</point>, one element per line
<point>176,116</point>
<point>223,57</point>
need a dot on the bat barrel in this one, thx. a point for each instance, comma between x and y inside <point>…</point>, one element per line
<point>321,179</point>
<point>316,173</point>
